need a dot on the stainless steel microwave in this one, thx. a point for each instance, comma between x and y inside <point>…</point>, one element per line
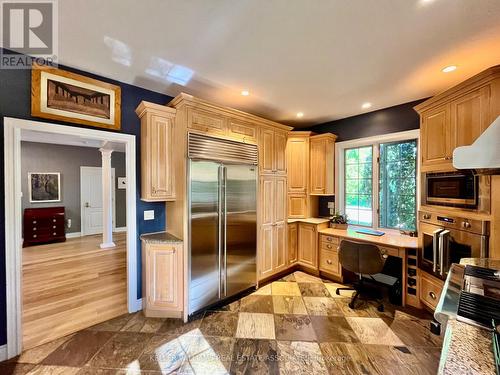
<point>457,189</point>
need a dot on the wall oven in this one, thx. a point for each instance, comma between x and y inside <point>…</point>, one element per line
<point>445,239</point>
<point>458,189</point>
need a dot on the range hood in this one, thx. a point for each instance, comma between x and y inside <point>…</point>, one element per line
<point>483,155</point>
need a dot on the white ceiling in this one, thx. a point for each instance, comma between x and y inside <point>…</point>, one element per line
<point>322,57</point>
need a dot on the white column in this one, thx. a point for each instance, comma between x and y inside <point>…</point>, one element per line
<point>107,203</point>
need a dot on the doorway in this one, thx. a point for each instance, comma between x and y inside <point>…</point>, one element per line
<point>91,200</point>
<point>14,130</point>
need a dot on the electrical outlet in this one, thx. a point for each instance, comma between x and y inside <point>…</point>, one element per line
<point>331,205</point>
<point>149,215</point>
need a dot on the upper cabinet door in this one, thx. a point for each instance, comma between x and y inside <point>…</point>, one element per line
<point>242,131</point>
<point>470,116</point>
<point>280,152</point>
<point>297,151</point>
<point>157,130</point>
<point>162,186</point>
<point>207,122</point>
<point>436,138</point>
<point>267,151</point>
<point>318,166</point>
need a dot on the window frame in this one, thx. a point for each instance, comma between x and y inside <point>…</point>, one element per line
<point>375,142</point>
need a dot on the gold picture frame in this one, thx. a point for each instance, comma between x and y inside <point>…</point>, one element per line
<point>61,95</point>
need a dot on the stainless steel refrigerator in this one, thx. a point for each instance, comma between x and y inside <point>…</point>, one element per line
<point>222,226</point>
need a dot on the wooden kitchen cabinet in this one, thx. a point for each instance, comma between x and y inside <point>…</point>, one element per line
<point>242,131</point>
<point>457,117</point>
<point>272,149</point>
<point>292,251</point>
<point>162,279</point>
<point>157,174</point>
<point>273,231</point>
<point>298,206</point>
<point>308,245</point>
<point>297,151</point>
<point>430,290</point>
<point>322,164</point>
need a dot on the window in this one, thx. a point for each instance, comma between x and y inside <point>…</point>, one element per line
<point>379,185</point>
<point>358,185</point>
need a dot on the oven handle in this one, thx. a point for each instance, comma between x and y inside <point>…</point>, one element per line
<point>435,248</point>
<point>444,240</point>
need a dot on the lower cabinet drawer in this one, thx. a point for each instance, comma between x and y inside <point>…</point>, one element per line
<point>329,262</point>
<point>430,290</point>
<point>328,246</point>
<point>329,239</point>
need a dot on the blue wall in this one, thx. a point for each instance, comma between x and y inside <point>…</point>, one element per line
<point>383,121</point>
<point>15,101</point>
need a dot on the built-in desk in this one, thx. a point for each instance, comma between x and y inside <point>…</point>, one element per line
<point>404,247</point>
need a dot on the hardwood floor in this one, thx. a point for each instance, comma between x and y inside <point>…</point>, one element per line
<point>70,286</point>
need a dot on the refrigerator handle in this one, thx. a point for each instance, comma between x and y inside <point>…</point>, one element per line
<point>224,228</point>
<point>219,212</point>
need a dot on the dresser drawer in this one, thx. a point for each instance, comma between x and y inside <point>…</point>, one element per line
<point>329,239</point>
<point>389,251</point>
<point>430,290</point>
<point>329,262</point>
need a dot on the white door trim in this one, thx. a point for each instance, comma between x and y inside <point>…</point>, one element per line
<point>82,216</point>
<point>13,215</point>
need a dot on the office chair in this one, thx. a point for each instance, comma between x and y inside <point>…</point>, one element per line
<point>361,259</point>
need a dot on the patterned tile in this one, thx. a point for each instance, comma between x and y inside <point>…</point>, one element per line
<point>346,358</point>
<point>289,278</point>
<point>223,347</point>
<point>255,326</point>
<point>113,325</point>
<point>302,277</point>
<point>322,306</point>
<point>13,368</point>
<point>257,304</point>
<point>362,308</point>
<point>263,291</point>
<point>178,327</point>
<point>313,290</point>
<point>294,328</point>
<point>163,353</point>
<point>254,357</point>
<point>53,370</point>
<point>193,344</point>
<point>301,358</point>
<point>122,349</point>
<point>207,362</point>
<point>78,350</point>
<point>374,331</point>
<point>233,306</point>
<point>37,354</point>
<point>289,305</point>
<point>219,323</point>
<point>333,329</point>
<point>415,332</point>
<point>285,289</point>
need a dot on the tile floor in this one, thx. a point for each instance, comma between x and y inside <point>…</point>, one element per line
<point>296,325</point>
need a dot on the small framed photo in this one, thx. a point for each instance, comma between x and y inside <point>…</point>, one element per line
<point>44,187</point>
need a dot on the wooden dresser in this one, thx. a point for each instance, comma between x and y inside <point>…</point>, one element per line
<point>43,225</point>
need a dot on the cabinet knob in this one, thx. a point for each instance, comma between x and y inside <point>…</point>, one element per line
<point>329,239</point>
<point>466,225</point>
<point>34,228</point>
<point>34,236</point>
<point>426,216</point>
<point>432,295</point>
<point>54,233</point>
<point>329,261</point>
<point>328,246</point>
<point>34,221</point>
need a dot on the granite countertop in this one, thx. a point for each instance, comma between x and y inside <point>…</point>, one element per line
<point>467,349</point>
<point>310,220</point>
<point>159,238</point>
<point>388,239</point>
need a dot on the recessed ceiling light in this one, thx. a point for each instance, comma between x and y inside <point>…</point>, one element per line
<point>449,69</point>
<point>245,92</point>
<point>366,105</point>
<point>300,114</point>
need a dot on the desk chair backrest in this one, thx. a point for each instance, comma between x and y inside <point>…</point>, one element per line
<point>361,258</point>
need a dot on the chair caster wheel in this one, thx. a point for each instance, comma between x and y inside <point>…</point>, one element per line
<point>351,305</point>
<point>380,308</point>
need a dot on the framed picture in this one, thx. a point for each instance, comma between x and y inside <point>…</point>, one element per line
<point>44,187</point>
<point>60,95</point>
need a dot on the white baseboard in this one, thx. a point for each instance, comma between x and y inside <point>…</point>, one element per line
<point>136,306</point>
<point>73,234</point>
<point>3,353</point>
<point>120,229</point>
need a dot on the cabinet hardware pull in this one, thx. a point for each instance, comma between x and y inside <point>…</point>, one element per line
<point>328,261</point>
<point>433,295</point>
<point>328,238</point>
<point>328,246</point>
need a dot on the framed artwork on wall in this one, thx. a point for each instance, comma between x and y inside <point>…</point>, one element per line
<point>44,187</point>
<point>60,95</point>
